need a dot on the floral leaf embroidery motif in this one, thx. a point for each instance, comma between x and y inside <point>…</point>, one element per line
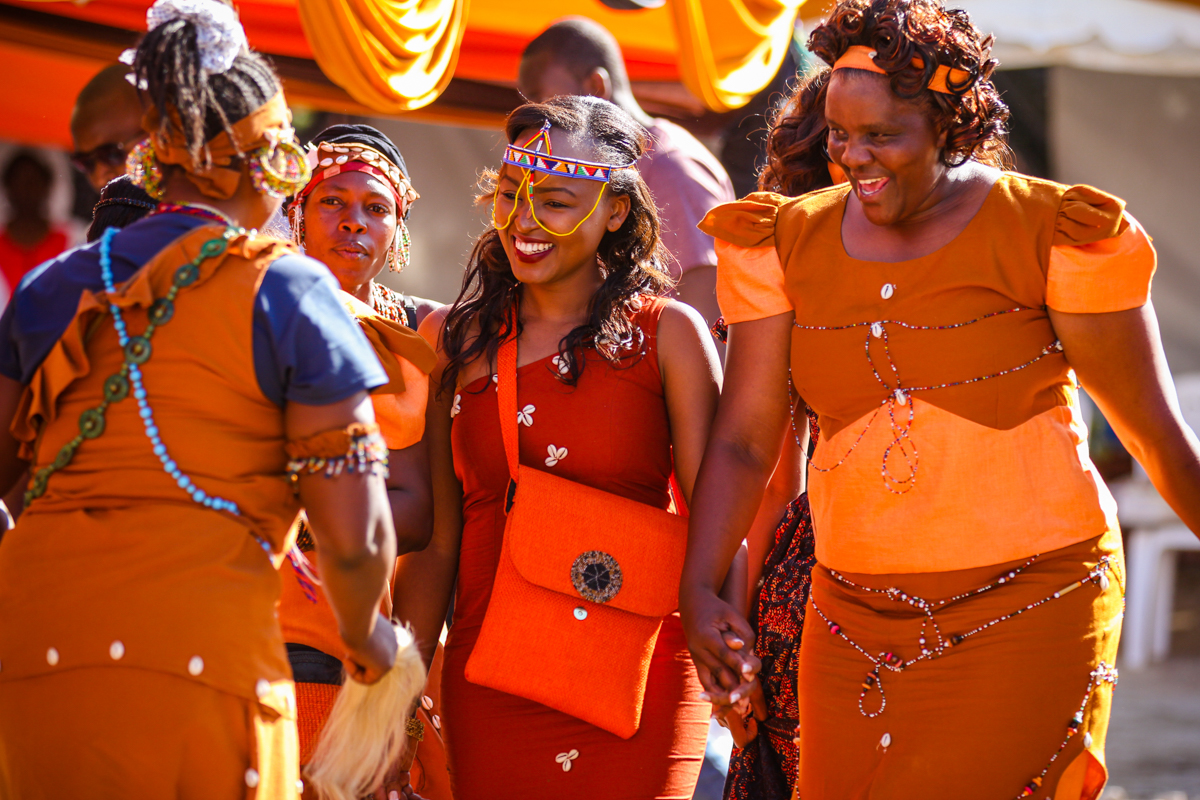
<point>457,406</point>
<point>557,454</point>
<point>525,416</point>
<point>566,758</point>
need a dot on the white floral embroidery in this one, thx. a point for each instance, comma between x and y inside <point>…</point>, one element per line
<point>525,416</point>
<point>457,406</point>
<point>561,365</point>
<point>566,758</point>
<point>557,454</point>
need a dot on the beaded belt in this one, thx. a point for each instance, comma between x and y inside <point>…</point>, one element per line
<point>938,644</point>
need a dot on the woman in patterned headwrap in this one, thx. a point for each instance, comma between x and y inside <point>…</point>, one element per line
<point>351,217</point>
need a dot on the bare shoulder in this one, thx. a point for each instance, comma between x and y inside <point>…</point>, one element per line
<point>431,326</point>
<point>679,320</point>
<point>425,307</point>
<point>684,341</point>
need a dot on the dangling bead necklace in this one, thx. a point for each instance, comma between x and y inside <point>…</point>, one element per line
<point>128,380</point>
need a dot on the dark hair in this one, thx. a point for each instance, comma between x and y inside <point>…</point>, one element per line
<point>632,258</point>
<point>797,159</point>
<point>121,203</point>
<point>973,116</point>
<point>581,45</point>
<point>196,104</point>
<point>26,158</point>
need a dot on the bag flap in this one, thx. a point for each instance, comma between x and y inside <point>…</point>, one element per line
<point>594,545</point>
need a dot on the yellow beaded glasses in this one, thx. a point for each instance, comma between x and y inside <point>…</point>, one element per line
<point>536,155</point>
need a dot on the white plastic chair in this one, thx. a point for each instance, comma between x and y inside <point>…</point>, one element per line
<point>1153,540</point>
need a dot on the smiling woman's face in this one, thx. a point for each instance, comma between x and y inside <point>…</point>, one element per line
<point>349,224</point>
<point>887,146</point>
<point>562,204</point>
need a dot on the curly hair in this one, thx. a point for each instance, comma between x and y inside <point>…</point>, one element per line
<point>797,160</point>
<point>924,31</point>
<point>632,258</point>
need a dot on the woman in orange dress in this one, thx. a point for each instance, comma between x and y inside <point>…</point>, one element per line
<point>936,313</point>
<point>350,217</point>
<point>178,389</point>
<point>614,388</point>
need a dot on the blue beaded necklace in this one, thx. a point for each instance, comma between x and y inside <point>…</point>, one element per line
<point>128,380</point>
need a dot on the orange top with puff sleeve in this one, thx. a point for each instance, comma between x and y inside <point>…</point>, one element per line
<point>953,437</point>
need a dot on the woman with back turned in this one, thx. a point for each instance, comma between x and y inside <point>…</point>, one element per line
<point>178,389</point>
<point>962,626</point>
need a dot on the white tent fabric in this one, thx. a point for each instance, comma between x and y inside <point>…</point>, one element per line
<point>1132,36</point>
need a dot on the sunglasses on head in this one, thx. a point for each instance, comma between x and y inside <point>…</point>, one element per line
<point>110,154</point>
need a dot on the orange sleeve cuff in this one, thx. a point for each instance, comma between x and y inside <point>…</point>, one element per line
<point>1108,275</point>
<point>750,283</point>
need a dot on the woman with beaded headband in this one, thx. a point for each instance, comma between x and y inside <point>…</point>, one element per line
<point>178,389</point>
<point>935,312</point>
<point>351,217</point>
<point>615,386</point>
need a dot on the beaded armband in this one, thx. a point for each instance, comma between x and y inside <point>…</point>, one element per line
<point>356,448</point>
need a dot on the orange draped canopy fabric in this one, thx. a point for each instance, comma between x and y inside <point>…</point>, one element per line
<point>393,56</point>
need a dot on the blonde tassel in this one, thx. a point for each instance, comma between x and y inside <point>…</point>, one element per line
<point>366,730</point>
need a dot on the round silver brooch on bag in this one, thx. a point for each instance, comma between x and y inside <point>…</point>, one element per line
<point>597,576</point>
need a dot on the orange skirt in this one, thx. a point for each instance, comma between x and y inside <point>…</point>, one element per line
<point>985,718</point>
<point>112,733</point>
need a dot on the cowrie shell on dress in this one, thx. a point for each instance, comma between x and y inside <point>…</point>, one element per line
<point>901,397</point>
<point>885,741</point>
<point>1103,581</point>
<point>872,53</point>
<point>252,777</point>
<point>195,665</point>
<point>566,758</point>
<point>116,650</point>
<point>52,656</point>
<point>262,688</point>
<point>887,291</point>
<point>1087,739</point>
<point>427,702</point>
<point>580,613</point>
<point>877,330</point>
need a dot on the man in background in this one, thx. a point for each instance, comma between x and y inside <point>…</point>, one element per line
<point>576,56</point>
<point>106,123</point>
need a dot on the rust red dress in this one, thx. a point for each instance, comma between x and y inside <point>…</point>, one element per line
<point>610,431</point>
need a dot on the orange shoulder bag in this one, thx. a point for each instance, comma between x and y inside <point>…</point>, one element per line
<point>584,581</point>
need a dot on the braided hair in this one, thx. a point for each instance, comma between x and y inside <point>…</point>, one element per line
<point>197,104</point>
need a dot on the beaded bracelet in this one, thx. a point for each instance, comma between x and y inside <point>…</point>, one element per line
<point>356,448</point>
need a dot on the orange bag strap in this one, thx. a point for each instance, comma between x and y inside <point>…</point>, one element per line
<point>506,404</point>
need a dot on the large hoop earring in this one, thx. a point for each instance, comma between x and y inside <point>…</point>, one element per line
<point>144,169</point>
<point>293,178</point>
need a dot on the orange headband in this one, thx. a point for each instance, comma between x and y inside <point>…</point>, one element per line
<point>268,125</point>
<point>861,57</point>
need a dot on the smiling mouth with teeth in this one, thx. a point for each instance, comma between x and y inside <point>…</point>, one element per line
<point>532,248</point>
<point>871,187</point>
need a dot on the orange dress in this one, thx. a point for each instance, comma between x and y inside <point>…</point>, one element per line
<point>610,431</point>
<point>952,452</point>
<point>141,655</point>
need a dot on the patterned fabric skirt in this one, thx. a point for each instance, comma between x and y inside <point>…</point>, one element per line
<point>1011,700</point>
<point>766,768</point>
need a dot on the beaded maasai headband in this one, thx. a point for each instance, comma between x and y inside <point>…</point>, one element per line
<point>861,57</point>
<point>530,157</point>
